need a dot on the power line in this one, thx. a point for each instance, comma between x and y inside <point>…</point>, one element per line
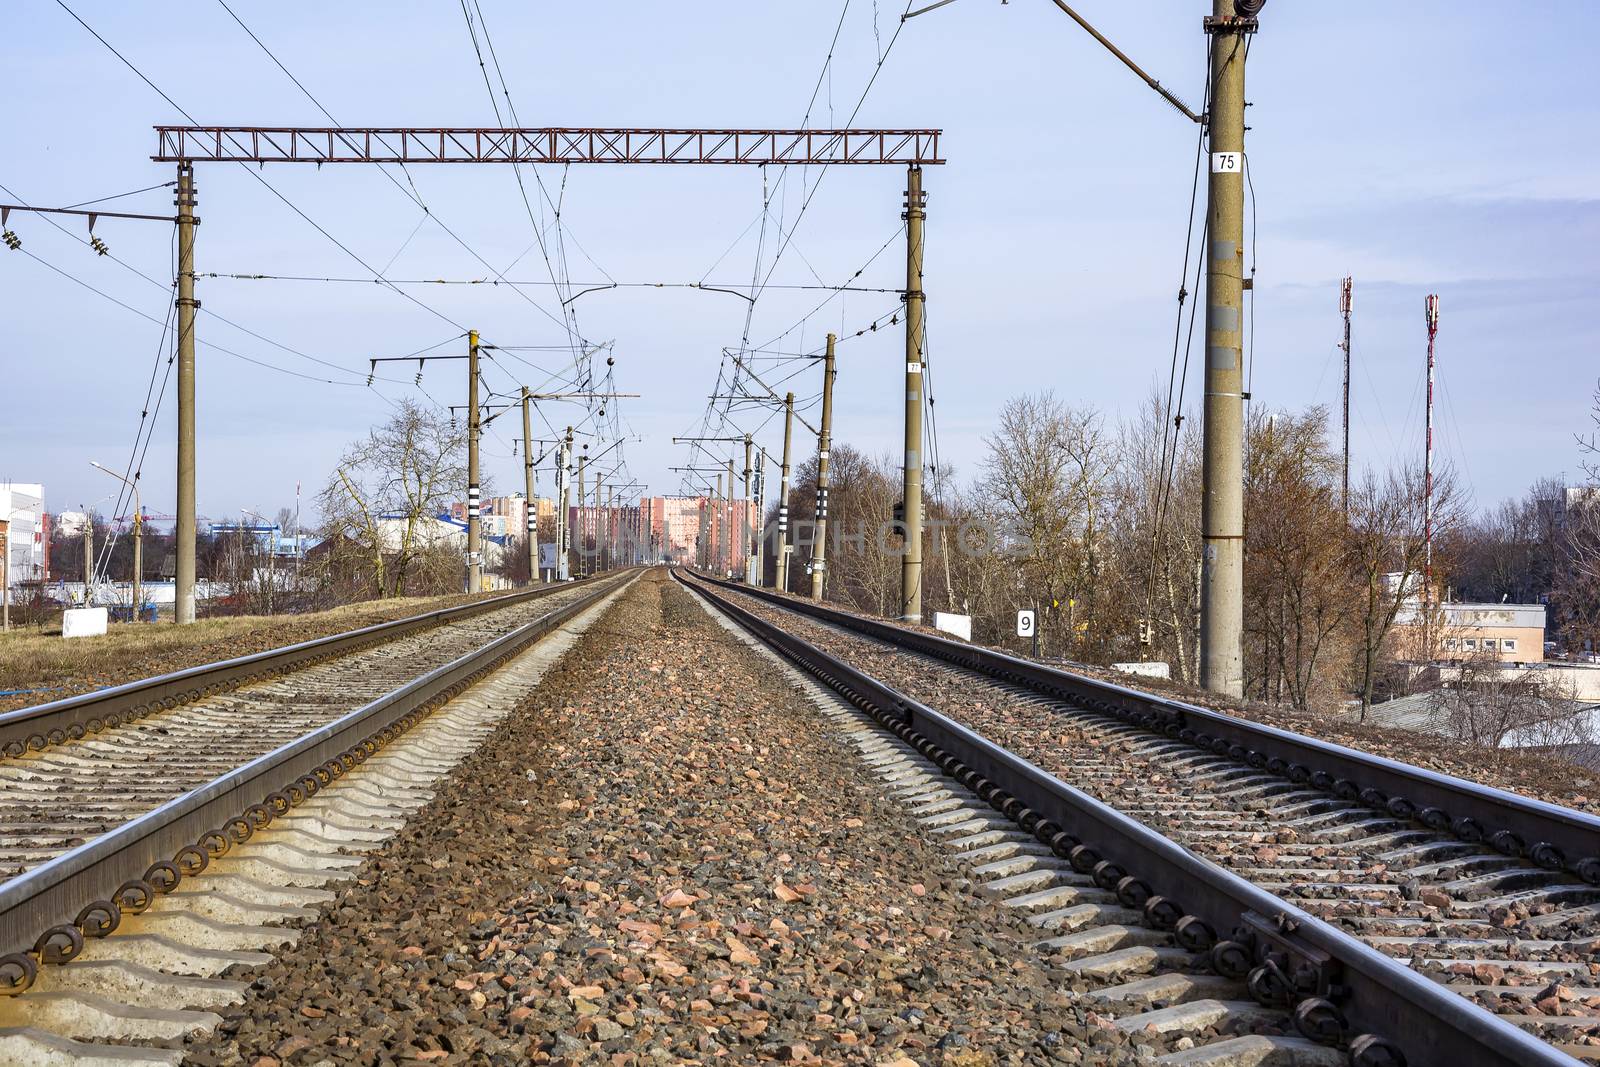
<point>151,318</point>
<point>167,287</point>
<point>568,315</point>
<point>609,284</point>
<point>119,196</point>
<point>414,194</point>
<point>269,186</point>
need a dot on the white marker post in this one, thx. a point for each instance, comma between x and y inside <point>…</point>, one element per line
<point>1027,626</point>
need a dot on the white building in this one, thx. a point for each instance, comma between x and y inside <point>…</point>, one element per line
<point>27,539</point>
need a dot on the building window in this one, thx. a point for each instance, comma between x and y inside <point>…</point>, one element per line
<point>1470,644</point>
<point>1508,644</point>
<point>1488,644</point>
<point>1450,644</point>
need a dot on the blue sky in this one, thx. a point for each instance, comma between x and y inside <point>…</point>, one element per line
<point>1438,148</point>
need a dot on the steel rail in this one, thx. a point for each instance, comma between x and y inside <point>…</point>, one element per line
<point>1341,990</point>
<point>1550,836</point>
<point>70,718</point>
<point>123,868</point>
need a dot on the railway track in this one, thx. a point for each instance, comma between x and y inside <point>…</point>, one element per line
<point>111,800</point>
<point>1202,871</point>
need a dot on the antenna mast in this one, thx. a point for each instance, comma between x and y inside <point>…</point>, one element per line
<point>1432,310</point>
<point>1345,299</point>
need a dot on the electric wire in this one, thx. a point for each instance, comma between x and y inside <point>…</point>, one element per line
<point>169,288</point>
<point>710,287</point>
<point>151,318</point>
<point>1172,414</point>
<point>119,196</point>
<point>413,194</point>
<point>268,185</point>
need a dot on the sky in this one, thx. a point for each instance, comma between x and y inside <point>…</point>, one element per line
<point>1436,149</point>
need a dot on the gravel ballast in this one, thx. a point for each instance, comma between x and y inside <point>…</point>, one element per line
<point>1354,878</point>
<point>1532,774</point>
<point>662,857</point>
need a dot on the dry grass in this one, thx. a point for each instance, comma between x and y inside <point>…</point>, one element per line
<point>30,660</point>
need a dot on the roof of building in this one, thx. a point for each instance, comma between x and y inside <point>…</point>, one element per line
<point>1528,615</point>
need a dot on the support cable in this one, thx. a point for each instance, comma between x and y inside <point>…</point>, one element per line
<point>413,194</point>
<point>268,185</point>
<point>1172,416</point>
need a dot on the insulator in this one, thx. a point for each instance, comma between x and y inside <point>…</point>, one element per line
<point>99,246</point>
<point>12,241</point>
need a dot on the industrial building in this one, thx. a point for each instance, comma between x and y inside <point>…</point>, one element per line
<point>27,532</point>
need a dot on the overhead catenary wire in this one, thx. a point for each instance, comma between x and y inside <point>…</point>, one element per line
<point>568,314</point>
<point>708,286</point>
<point>151,318</point>
<point>134,468</point>
<point>119,196</point>
<point>412,194</point>
<point>1172,414</point>
<point>266,184</point>
<point>169,288</point>
<point>787,237</point>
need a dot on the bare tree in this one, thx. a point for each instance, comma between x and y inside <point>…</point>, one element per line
<point>1492,706</point>
<point>1590,445</point>
<point>1577,587</point>
<point>396,478</point>
<point>1152,540</point>
<point>1386,550</point>
<point>1047,472</point>
<point>1299,588</point>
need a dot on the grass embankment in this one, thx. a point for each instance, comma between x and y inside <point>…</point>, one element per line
<point>54,667</point>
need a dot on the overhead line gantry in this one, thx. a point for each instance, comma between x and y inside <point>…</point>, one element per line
<point>188,145</point>
<point>472,144</point>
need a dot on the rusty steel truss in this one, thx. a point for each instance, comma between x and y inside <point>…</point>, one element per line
<point>301,144</point>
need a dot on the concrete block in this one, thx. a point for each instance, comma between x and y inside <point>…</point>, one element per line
<point>83,622</point>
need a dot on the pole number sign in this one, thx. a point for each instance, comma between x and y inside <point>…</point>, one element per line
<point>1025,624</point>
<point>1227,162</point>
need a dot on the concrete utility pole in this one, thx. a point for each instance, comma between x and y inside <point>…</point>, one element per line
<point>1222,507</point>
<point>783,494</point>
<point>138,557</point>
<point>728,505</point>
<point>474,532</point>
<point>758,522</point>
<point>138,535</point>
<point>718,550</point>
<point>88,555</point>
<point>599,530</point>
<point>583,506</point>
<point>602,527</point>
<point>749,537</point>
<point>911,561</point>
<point>184,534</point>
<point>1431,310</point>
<point>563,519</point>
<point>1346,299</point>
<point>528,482</point>
<point>819,547</point>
